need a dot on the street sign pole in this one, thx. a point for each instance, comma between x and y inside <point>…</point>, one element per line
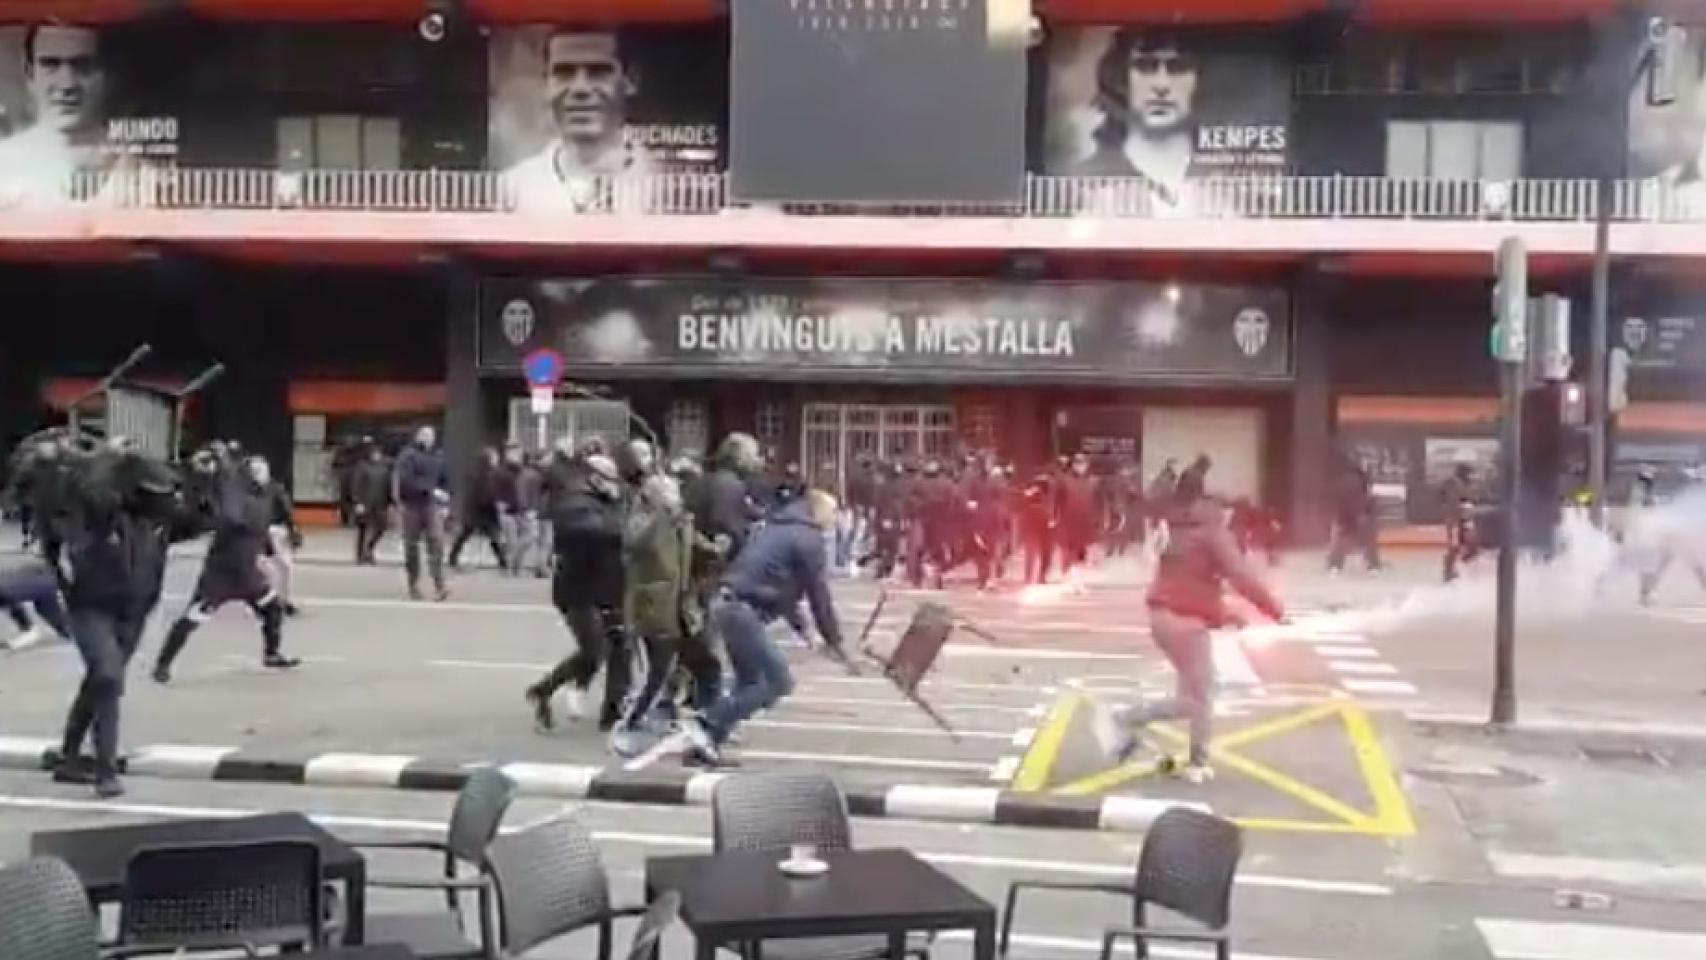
<point>1510,305</point>
<point>543,369</point>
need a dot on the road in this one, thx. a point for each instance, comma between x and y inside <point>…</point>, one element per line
<point>1368,834</point>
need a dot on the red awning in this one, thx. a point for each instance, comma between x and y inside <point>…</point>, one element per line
<point>489,11</point>
<point>1367,11</point>
<point>616,11</point>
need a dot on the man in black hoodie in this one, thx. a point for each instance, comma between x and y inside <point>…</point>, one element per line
<point>729,507</point>
<point>125,512</point>
<point>1076,499</point>
<point>491,491</point>
<point>587,590</point>
<point>43,489</point>
<point>420,487</point>
<point>370,496</point>
<point>233,569</point>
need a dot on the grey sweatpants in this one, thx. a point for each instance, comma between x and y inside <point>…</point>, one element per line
<point>1188,647</point>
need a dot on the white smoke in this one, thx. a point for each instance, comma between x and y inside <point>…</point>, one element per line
<point>1594,571</point>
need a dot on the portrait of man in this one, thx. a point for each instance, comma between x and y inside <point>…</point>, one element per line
<point>1146,93</point>
<point>1156,109</point>
<point>1635,330</point>
<point>1667,117</point>
<point>67,82</point>
<point>587,87</point>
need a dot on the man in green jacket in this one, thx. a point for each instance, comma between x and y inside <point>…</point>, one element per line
<point>659,605</point>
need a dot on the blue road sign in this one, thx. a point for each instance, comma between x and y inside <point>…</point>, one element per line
<point>542,367</point>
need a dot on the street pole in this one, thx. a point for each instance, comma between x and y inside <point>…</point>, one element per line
<point>1599,347</point>
<point>1510,307</point>
<point>1510,481</point>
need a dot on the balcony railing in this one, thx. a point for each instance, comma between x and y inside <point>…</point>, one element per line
<point>1275,198</point>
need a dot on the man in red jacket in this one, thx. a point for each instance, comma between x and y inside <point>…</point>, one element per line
<point>1185,603</point>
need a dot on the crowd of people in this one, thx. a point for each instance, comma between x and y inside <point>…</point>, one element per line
<point>647,561</point>
<point>919,519</point>
<point>104,520</point>
<point>667,575</point>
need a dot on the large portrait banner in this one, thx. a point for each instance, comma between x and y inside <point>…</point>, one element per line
<point>1667,118</point>
<point>576,112</point>
<point>1166,107</point>
<point>71,114</point>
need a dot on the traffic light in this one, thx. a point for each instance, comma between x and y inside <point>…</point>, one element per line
<point>1543,429</point>
<point>1545,447</point>
<point>1573,410</point>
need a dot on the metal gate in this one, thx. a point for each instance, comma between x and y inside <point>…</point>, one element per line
<point>835,435</point>
<point>575,419</point>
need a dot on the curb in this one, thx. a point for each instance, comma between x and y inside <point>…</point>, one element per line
<point>951,804</point>
<point>1676,742</point>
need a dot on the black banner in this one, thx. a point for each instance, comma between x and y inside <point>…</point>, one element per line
<point>898,102</point>
<point>889,329</point>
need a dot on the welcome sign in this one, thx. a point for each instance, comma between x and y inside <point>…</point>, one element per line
<point>876,329</point>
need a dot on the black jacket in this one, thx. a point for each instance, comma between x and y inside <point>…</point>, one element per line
<point>892,498</point>
<point>242,514</point>
<point>936,501</point>
<point>1075,501</point>
<point>419,473</point>
<point>117,542</point>
<point>45,487</point>
<point>729,511</point>
<point>370,485</point>
<point>588,541</point>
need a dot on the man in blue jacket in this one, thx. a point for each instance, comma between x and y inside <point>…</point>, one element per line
<point>784,560</point>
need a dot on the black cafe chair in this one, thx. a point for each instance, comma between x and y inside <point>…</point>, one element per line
<point>551,882</point>
<point>220,896</point>
<point>772,812</point>
<point>44,913</point>
<point>660,916</point>
<point>1187,865</point>
<point>443,935</point>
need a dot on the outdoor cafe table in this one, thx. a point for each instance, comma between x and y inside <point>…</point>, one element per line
<point>733,898</point>
<point>99,855</point>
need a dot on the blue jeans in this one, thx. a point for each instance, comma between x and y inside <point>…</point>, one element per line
<point>761,672</point>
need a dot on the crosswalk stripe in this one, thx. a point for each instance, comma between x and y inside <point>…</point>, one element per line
<point>1535,940</point>
<point>1395,687</point>
<point>1319,640</point>
<point>1347,653</point>
<point>1362,668</point>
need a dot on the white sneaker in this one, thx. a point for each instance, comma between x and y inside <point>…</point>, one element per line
<point>27,639</point>
<point>1114,733</point>
<point>1197,773</point>
<point>627,744</point>
<point>694,729</point>
<point>678,743</point>
<point>576,702</point>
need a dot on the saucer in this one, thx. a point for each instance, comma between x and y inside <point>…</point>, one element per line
<point>803,868</point>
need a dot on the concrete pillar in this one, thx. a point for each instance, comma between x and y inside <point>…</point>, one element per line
<point>1311,409</point>
<point>462,400</point>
